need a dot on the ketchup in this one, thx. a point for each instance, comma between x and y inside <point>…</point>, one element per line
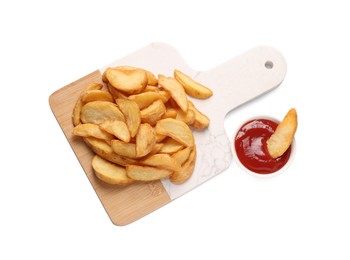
<point>251,147</point>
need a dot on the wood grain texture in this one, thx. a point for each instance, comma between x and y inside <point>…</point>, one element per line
<point>122,204</point>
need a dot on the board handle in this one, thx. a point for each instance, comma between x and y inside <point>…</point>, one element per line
<point>245,77</point>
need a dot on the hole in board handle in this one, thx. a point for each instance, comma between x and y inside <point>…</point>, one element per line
<point>269,64</point>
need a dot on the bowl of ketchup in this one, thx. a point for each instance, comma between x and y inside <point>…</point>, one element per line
<point>250,148</point>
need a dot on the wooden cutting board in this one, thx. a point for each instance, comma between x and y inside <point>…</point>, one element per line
<point>234,82</point>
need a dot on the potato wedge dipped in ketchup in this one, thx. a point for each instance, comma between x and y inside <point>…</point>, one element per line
<point>263,146</point>
<point>282,138</point>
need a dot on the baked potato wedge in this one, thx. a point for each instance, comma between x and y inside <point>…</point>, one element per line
<point>91,130</point>
<point>131,113</point>
<point>163,161</point>
<point>145,140</point>
<point>104,150</point>
<point>153,113</point>
<point>96,112</point>
<point>95,94</point>
<point>146,173</point>
<point>79,103</point>
<point>192,88</point>
<point>182,155</point>
<point>145,99</point>
<point>201,121</point>
<point>171,146</point>
<point>117,128</point>
<point>124,149</point>
<point>109,172</point>
<point>179,177</point>
<point>282,138</point>
<point>177,130</point>
<point>175,89</point>
<point>128,81</point>
<point>151,78</point>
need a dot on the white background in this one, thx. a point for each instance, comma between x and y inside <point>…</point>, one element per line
<point>48,209</point>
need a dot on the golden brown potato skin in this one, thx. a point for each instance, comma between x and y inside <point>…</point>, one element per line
<point>192,88</point>
<point>109,172</point>
<point>179,177</point>
<point>283,136</point>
